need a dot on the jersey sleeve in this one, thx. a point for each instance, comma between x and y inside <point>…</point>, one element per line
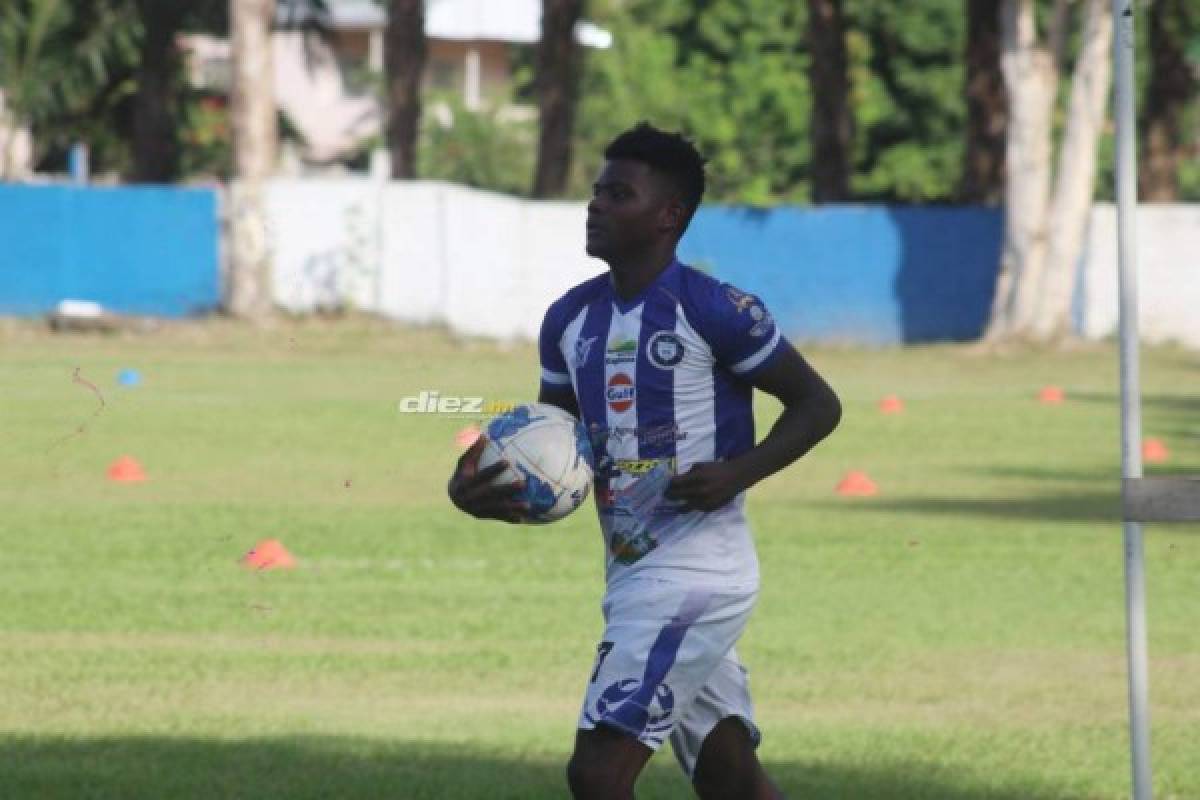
<point>554,365</point>
<point>742,333</point>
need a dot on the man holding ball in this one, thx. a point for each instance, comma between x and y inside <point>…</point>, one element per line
<point>660,362</point>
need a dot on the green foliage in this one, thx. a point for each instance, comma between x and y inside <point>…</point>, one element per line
<point>907,78</point>
<point>206,146</point>
<point>66,68</point>
<point>729,74</point>
<point>478,148</point>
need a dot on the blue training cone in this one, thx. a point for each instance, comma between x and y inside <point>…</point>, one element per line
<point>129,377</point>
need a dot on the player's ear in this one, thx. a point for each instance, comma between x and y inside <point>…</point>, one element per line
<point>671,218</point>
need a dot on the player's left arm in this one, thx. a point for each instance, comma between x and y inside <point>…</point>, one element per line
<point>811,411</point>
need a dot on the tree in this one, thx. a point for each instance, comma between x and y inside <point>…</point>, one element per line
<point>987,106</point>
<point>1044,225</point>
<point>155,110</point>
<point>907,79</point>
<point>557,78</point>
<point>831,121</point>
<point>64,69</point>
<point>255,138</point>
<point>729,73</point>
<point>1171,97</point>
<point>404,61</point>
<point>158,104</point>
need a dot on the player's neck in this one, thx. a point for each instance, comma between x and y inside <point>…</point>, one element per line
<point>630,277</point>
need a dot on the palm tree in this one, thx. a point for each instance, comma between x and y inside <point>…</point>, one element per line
<point>557,76</point>
<point>987,106</point>
<point>832,122</point>
<point>404,61</point>
<point>255,136</point>
<point>1172,90</point>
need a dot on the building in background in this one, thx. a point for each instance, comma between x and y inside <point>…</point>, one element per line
<point>328,85</point>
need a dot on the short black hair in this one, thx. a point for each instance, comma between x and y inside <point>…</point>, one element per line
<point>671,154</point>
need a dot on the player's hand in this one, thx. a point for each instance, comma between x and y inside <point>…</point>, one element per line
<point>705,487</point>
<point>471,489</point>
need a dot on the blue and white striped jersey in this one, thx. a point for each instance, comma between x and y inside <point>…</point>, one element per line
<point>663,383</point>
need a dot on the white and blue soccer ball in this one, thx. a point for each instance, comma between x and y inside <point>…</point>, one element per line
<point>548,449</point>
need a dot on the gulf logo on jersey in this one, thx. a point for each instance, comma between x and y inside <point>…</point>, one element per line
<point>619,392</point>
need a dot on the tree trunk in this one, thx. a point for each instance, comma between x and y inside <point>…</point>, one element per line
<point>1031,77</point>
<point>987,106</point>
<point>1076,174</point>
<point>1170,92</point>
<point>404,60</point>
<point>557,77</point>
<point>255,136</point>
<point>155,106</point>
<point>831,120</point>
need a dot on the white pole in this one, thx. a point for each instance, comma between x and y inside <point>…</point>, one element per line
<point>1131,411</point>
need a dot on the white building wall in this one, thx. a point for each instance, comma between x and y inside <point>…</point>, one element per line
<point>488,265</point>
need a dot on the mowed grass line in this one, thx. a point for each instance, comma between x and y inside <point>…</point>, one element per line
<point>959,636</point>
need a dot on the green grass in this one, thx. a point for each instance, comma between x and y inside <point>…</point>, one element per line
<point>959,636</point>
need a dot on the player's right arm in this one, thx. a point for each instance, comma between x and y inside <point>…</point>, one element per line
<point>561,396</point>
<point>472,491</point>
<point>556,388</point>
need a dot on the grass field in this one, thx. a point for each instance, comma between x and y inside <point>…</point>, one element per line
<point>959,636</point>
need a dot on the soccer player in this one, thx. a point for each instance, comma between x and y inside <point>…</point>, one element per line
<point>660,362</point>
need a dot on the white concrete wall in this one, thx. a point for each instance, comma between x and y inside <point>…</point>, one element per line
<point>484,264</point>
<point>1168,260</point>
<point>488,265</point>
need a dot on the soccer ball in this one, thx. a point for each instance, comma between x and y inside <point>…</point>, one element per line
<point>547,448</point>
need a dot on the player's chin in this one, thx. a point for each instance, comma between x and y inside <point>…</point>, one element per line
<point>597,247</point>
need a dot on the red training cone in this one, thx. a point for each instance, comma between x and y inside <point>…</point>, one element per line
<point>891,404</point>
<point>1051,396</point>
<point>269,554</point>
<point>1154,451</point>
<point>857,484</point>
<point>126,469</point>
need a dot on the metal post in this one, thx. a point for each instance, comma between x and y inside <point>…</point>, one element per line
<point>1131,411</point>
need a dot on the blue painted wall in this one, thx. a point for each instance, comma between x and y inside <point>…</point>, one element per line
<point>858,274</point>
<point>133,250</point>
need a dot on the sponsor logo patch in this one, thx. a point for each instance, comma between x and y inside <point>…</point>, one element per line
<point>620,392</point>
<point>621,352</point>
<point>583,347</point>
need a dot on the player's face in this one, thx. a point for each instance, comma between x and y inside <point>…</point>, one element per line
<point>631,210</point>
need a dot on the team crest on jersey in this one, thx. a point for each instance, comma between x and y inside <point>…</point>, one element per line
<point>583,347</point>
<point>620,392</point>
<point>665,350</point>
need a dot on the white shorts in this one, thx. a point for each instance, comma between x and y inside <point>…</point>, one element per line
<point>666,667</point>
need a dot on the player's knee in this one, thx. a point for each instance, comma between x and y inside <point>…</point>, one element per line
<point>593,778</point>
<point>732,785</point>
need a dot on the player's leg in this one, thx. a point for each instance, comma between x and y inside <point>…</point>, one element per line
<point>728,769</point>
<point>661,642</point>
<point>606,764</point>
<point>716,737</point>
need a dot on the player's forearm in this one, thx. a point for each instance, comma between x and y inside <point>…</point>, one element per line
<point>799,429</point>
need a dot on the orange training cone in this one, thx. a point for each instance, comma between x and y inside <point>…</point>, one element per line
<point>126,469</point>
<point>891,404</point>
<point>269,554</point>
<point>467,436</point>
<point>857,484</point>
<point>1154,451</point>
<point>1051,396</point>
